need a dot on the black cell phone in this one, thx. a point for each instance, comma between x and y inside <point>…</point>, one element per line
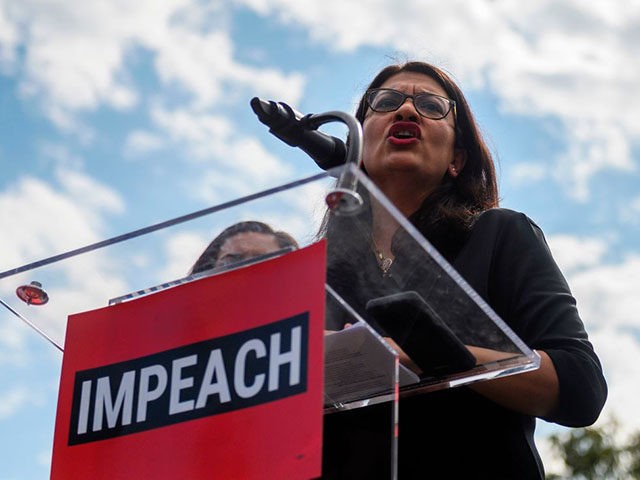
<point>418,329</point>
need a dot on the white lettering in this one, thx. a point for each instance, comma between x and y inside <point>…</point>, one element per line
<point>277,359</point>
<point>241,370</point>
<point>85,401</point>
<point>124,401</point>
<point>215,367</point>
<point>243,390</point>
<point>178,383</point>
<point>144,394</point>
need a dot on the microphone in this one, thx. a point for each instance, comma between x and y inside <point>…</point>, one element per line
<point>289,126</point>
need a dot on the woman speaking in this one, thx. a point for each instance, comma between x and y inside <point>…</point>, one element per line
<point>423,150</point>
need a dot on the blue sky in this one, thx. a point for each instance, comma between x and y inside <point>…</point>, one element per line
<point>114,116</point>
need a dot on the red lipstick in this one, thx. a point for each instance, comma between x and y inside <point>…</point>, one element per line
<point>404,133</point>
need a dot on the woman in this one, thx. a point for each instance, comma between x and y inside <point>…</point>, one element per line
<point>423,150</point>
<point>242,241</point>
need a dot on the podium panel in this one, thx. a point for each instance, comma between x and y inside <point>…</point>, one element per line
<point>412,295</point>
<point>196,381</point>
<point>151,258</point>
<point>406,303</point>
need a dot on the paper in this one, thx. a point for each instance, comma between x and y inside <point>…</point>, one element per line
<point>359,365</point>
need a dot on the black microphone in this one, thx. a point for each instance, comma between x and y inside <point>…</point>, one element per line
<point>287,124</point>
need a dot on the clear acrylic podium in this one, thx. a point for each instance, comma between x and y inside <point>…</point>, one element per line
<point>420,292</point>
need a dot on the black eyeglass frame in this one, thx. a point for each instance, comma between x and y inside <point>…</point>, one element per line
<point>375,91</point>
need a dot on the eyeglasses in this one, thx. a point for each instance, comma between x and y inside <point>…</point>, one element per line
<point>428,105</point>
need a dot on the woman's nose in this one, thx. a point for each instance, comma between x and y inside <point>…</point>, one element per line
<point>407,111</point>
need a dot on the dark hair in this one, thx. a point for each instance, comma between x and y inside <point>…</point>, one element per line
<point>209,257</point>
<point>458,200</point>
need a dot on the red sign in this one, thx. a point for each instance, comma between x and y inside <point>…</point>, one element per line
<point>217,378</point>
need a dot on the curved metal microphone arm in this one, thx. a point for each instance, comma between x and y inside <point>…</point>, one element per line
<point>301,131</point>
<point>344,199</point>
<point>354,148</point>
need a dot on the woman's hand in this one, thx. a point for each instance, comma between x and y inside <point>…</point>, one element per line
<point>532,393</point>
<point>403,357</point>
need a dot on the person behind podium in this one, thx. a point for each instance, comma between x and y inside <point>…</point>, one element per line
<point>423,149</point>
<point>242,241</point>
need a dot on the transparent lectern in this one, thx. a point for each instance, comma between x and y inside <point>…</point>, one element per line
<point>418,304</point>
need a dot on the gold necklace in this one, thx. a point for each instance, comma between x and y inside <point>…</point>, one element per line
<point>383,262</point>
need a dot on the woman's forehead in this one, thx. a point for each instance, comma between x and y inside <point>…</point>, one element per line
<point>413,82</point>
<point>249,240</point>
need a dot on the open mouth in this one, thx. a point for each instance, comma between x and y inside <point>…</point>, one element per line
<point>404,131</point>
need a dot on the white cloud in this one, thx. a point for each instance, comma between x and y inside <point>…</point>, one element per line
<point>608,304</point>
<point>216,186</point>
<point>46,221</point>
<point>77,55</point>
<point>236,165</point>
<point>182,250</point>
<point>526,173</point>
<point>74,54</point>
<point>62,157</point>
<point>12,401</point>
<point>304,209</point>
<point>298,211</point>
<point>571,252</point>
<point>8,39</point>
<point>196,129</point>
<point>95,196</point>
<point>596,145</point>
<point>607,293</point>
<point>619,352</point>
<point>203,64</point>
<point>13,338</point>
<point>565,59</point>
<point>44,459</point>
<point>140,141</point>
<point>249,156</point>
<point>629,212</point>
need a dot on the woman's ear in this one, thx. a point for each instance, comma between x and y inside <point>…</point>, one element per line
<point>458,162</point>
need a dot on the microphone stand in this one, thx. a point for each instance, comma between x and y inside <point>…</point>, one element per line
<point>343,199</point>
<point>300,131</point>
